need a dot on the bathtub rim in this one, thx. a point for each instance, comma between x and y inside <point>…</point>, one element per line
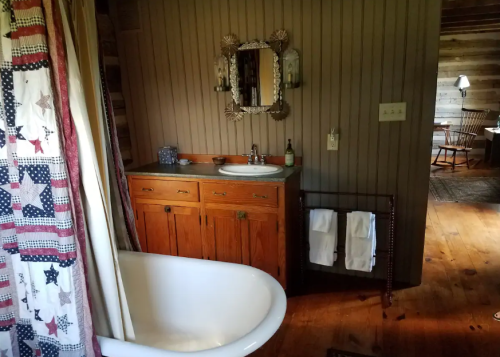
<point>243,346</point>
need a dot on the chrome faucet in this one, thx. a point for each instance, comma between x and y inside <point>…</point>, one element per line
<point>253,158</point>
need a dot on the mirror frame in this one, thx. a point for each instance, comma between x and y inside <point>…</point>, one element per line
<point>230,46</point>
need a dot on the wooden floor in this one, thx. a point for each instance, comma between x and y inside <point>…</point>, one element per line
<point>450,314</point>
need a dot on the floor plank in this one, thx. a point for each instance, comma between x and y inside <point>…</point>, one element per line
<point>450,314</point>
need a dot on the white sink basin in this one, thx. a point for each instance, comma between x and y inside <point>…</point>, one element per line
<point>250,170</point>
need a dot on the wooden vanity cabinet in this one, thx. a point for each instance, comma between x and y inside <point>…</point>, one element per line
<point>245,222</point>
<point>170,230</point>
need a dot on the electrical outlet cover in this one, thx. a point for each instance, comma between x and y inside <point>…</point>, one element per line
<point>332,144</point>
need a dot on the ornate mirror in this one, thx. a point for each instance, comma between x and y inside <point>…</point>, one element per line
<point>255,76</point>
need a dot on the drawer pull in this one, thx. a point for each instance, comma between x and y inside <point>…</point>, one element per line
<point>219,194</point>
<point>181,191</point>
<point>257,196</point>
<point>148,189</point>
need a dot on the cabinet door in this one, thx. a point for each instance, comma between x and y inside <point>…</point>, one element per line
<point>223,234</point>
<point>153,229</point>
<point>185,226</point>
<point>259,235</point>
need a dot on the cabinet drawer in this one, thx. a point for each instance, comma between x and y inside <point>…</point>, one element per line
<point>167,190</point>
<point>253,195</point>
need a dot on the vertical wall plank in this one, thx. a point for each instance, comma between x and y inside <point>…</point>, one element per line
<point>149,80</point>
<point>229,14</point>
<point>316,96</point>
<point>433,23</point>
<point>364,110</point>
<point>326,67</point>
<point>173,30</point>
<point>188,57</point>
<point>253,121</point>
<point>196,77</point>
<point>206,77</point>
<point>357,54</point>
<point>377,63</point>
<point>221,28</point>
<point>297,93</point>
<point>280,125</point>
<point>160,47</point>
<point>386,95</point>
<point>288,95</point>
<point>410,85</point>
<point>262,118</point>
<point>307,94</point>
<point>354,55</point>
<point>335,92</point>
<point>270,122</point>
<point>236,136</point>
<point>345,97</point>
<point>212,46</point>
<point>416,113</point>
<point>246,124</point>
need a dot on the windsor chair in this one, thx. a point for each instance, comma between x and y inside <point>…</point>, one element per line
<point>461,140</point>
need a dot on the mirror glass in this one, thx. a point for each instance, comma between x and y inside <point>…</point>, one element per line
<point>256,77</point>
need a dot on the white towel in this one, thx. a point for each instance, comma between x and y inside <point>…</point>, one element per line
<point>360,224</point>
<point>321,220</point>
<point>323,245</point>
<point>360,249</point>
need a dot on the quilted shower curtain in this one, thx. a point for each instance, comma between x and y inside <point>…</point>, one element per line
<point>44,309</point>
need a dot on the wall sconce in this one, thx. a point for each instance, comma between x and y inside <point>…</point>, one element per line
<point>221,71</point>
<point>462,83</point>
<point>291,69</point>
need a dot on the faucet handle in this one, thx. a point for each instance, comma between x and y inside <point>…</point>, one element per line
<point>263,158</point>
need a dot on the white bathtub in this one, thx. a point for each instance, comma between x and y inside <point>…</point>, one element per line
<point>191,307</point>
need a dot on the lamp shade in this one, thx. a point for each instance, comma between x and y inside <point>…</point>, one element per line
<point>462,82</point>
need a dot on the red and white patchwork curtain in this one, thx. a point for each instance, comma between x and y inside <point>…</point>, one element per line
<point>44,309</point>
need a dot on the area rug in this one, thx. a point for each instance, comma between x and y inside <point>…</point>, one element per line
<point>338,353</point>
<point>465,189</point>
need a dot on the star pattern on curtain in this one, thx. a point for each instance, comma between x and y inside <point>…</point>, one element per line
<point>51,275</point>
<point>30,192</point>
<point>52,326</point>
<point>63,323</point>
<point>37,315</point>
<point>44,102</point>
<point>19,136</point>
<point>38,145</point>
<point>64,297</point>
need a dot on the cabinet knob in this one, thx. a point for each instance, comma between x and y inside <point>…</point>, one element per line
<point>241,215</point>
<point>257,196</point>
<point>181,191</point>
<point>218,194</point>
<point>167,209</point>
<point>148,189</point>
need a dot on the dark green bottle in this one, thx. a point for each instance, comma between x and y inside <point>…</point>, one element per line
<point>289,154</point>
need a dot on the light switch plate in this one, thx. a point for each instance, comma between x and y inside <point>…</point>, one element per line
<point>332,144</point>
<point>392,112</point>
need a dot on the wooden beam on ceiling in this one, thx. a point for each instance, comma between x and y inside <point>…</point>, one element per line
<point>478,10</point>
<point>470,16</point>
<point>455,4</point>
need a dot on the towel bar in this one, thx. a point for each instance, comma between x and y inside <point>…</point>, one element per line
<point>389,214</point>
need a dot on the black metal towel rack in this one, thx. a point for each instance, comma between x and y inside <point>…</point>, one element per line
<point>389,214</point>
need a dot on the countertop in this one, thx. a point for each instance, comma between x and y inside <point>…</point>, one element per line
<point>207,171</point>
